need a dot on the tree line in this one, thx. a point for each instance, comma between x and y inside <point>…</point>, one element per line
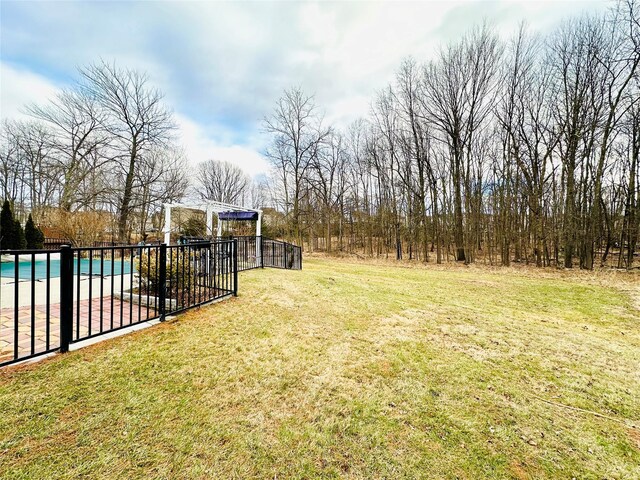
<point>523,149</point>
<point>497,150</point>
<point>100,159</point>
<point>104,144</point>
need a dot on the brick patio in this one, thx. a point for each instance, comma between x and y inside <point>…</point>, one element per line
<point>131,313</point>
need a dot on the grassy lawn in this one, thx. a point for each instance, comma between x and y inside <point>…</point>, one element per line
<point>354,370</point>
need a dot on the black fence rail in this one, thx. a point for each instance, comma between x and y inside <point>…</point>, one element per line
<point>115,244</point>
<point>199,273</point>
<point>49,300</point>
<point>58,243</point>
<point>54,243</point>
<point>248,252</point>
<point>260,252</point>
<point>29,304</point>
<point>279,254</point>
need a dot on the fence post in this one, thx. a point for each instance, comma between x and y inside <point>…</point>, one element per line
<point>162,281</point>
<point>261,251</point>
<point>66,297</point>
<point>235,267</point>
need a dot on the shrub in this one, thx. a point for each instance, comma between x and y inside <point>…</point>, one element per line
<point>20,242</point>
<point>7,227</point>
<point>33,235</point>
<point>82,227</point>
<point>179,271</point>
<point>194,227</point>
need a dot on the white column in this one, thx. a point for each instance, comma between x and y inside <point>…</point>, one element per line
<point>167,224</point>
<point>258,235</point>
<point>259,224</point>
<point>219,228</point>
<point>209,214</point>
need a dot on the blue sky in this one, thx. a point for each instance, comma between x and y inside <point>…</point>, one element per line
<point>222,65</point>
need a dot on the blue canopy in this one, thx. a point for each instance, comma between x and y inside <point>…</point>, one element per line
<point>238,216</point>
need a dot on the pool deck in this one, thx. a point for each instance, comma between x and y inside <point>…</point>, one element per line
<point>8,288</point>
<point>89,312</point>
<point>124,313</point>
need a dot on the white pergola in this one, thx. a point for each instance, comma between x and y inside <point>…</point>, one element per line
<point>210,208</point>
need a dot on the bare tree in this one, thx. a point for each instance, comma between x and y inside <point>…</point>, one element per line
<point>77,126</point>
<point>385,153</point>
<point>136,119</point>
<point>618,56</point>
<point>297,134</point>
<point>630,230</point>
<point>35,158</point>
<point>12,167</point>
<point>258,192</point>
<point>160,178</point>
<point>222,181</point>
<point>458,89</point>
<point>415,137</point>
<point>326,179</point>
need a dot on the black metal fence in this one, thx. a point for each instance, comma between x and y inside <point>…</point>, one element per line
<point>51,299</point>
<point>279,254</point>
<point>29,305</point>
<point>58,243</point>
<point>260,252</point>
<point>248,252</point>
<point>54,243</point>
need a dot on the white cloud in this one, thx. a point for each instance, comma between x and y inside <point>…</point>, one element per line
<point>20,87</point>
<point>222,65</point>
<point>200,146</point>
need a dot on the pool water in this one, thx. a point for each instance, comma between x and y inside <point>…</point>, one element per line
<point>7,269</point>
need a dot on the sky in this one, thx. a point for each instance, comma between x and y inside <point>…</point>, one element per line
<point>223,65</point>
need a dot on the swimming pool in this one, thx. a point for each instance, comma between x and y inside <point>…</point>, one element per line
<point>8,269</point>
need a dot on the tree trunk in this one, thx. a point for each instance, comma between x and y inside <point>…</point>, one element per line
<point>125,206</point>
